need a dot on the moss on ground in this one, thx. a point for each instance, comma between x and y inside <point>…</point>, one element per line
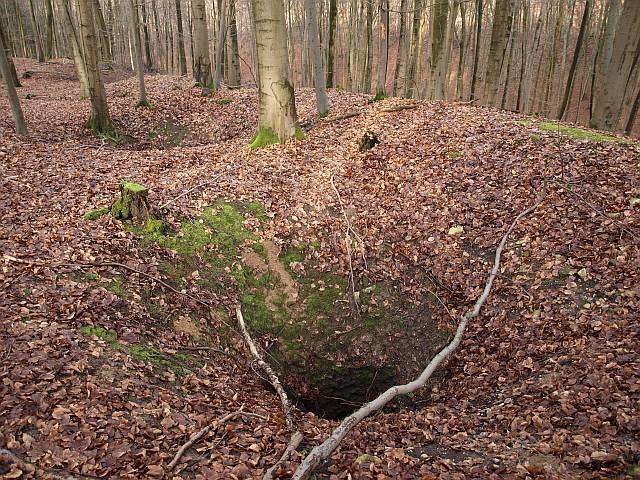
<point>572,132</point>
<point>264,137</point>
<point>380,96</point>
<point>223,101</point>
<point>116,286</point>
<point>96,214</point>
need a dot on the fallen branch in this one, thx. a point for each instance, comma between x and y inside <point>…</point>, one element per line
<point>344,116</point>
<point>273,378</point>
<point>323,451</point>
<point>296,438</point>
<point>201,433</point>
<point>397,108</point>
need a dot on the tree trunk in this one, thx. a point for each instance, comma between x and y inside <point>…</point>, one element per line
<point>99,120</point>
<point>509,59</point>
<point>234,55</point>
<point>440,13</point>
<point>383,60</point>
<point>322,102</point>
<point>610,91</point>
<point>333,12</point>
<point>414,50</point>
<point>137,51</point>
<point>461,56</point>
<point>476,51</point>
<point>220,42</point>
<point>523,54</point>
<point>182,56</point>
<point>632,115</point>
<point>101,30</point>
<point>369,59</point>
<point>201,59</point>
<point>277,117</point>
<point>574,63</point>
<point>499,38</point>
<point>18,117</point>
<point>7,49</point>
<point>401,56</point>
<point>36,33</point>
<point>48,44</point>
<point>76,49</point>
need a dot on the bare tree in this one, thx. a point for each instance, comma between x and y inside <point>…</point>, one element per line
<point>18,117</point>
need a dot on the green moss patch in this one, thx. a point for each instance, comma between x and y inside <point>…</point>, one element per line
<point>96,214</point>
<point>264,137</point>
<point>380,96</point>
<point>572,132</point>
<point>223,101</point>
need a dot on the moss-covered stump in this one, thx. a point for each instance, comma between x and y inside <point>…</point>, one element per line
<point>133,203</point>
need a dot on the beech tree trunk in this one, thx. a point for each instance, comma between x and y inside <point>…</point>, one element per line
<point>100,27</point>
<point>610,90</point>
<point>182,56</point>
<point>137,51</point>
<point>220,42</point>
<point>476,51</point>
<point>48,43</point>
<point>201,59</point>
<point>331,48</point>
<point>5,69</point>
<point>414,50</point>
<point>7,49</point>
<point>234,53</point>
<point>277,120</point>
<point>383,60</point>
<point>99,120</point>
<point>440,13</point>
<point>322,102</point>
<point>76,49</point>
<point>401,56</point>
<point>36,33</point>
<point>499,38</point>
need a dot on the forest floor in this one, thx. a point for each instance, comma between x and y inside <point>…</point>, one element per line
<point>106,373</point>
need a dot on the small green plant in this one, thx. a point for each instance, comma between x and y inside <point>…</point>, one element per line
<point>102,333</point>
<point>380,96</point>
<point>454,154</point>
<point>224,101</point>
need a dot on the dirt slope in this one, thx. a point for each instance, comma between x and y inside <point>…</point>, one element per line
<point>97,380</point>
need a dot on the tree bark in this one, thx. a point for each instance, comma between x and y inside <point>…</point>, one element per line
<point>331,48</point>
<point>476,51</point>
<point>383,41</point>
<point>574,63</point>
<point>7,49</point>
<point>632,114</point>
<point>610,91</point>
<point>101,31</point>
<point>440,13</point>
<point>401,56</point>
<point>36,33</point>
<point>99,120</point>
<point>137,51</point>
<point>499,38</point>
<point>220,42</point>
<point>76,49</point>
<point>48,43</point>
<point>18,117</point>
<point>182,56</point>
<point>414,51</point>
<point>322,102</point>
<point>201,59</point>
<point>234,53</point>
<point>145,30</point>
<point>277,117</point>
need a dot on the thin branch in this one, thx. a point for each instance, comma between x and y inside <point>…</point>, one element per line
<point>212,426</point>
<point>323,451</point>
<point>344,116</point>
<point>295,441</point>
<point>286,406</point>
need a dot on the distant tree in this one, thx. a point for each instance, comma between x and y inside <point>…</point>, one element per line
<point>322,102</point>
<point>499,38</point>
<point>439,16</point>
<point>331,47</point>
<point>99,121</point>
<point>201,59</point>
<point>277,116</point>
<point>7,49</point>
<point>476,50</point>
<point>383,49</point>
<point>36,32</point>
<point>18,117</point>
<point>76,49</point>
<point>182,57</point>
<point>137,52</point>
<point>234,50</point>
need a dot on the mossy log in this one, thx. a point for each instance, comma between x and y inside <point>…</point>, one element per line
<point>133,203</point>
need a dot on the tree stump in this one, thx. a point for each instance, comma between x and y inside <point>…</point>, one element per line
<point>132,204</point>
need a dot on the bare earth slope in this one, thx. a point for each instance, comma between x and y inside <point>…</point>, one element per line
<point>103,371</point>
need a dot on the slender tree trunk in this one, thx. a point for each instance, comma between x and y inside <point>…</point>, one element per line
<point>234,54</point>
<point>461,55</point>
<point>36,33</point>
<point>137,52</point>
<point>574,63</point>
<point>220,42</point>
<point>182,56</point>
<point>12,68</point>
<point>509,61</point>
<point>145,30</point>
<point>610,91</point>
<point>202,61</point>
<point>414,50</point>
<point>499,37</point>
<point>369,59</point>
<point>277,119</point>
<point>402,53</point>
<point>322,102</point>
<point>476,52</point>
<point>101,31</point>
<point>5,69</point>
<point>440,13</point>
<point>523,54</point>
<point>76,49</point>
<point>48,44</point>
<point>331,48</point>
<point>99,120</point>
<point>383,60</point>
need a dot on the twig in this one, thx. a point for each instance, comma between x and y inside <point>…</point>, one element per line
<point>286,407</point>
<point>296,438</point>
<point>200,185</point>
<point>323,451</point>
<point>344,116</point>
<point>198,435</point>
